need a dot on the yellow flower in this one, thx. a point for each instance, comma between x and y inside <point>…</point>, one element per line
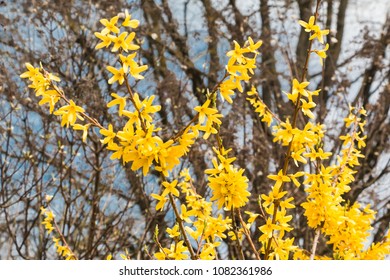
<point>69,113</point>
<point>226,89</point>
<point>128,61</point>
<point>274,194</point>
<point>105,40</point>
<point>185,214</point>
<point>118,100</point>
<point>161,201</point>
<point>254,46</point>
<point>229,188</point>
<point>306,106</point>
<point>267,229</point>
<point>322,53</point>
<point>118,75</point>
<point>252,216</point>
<point>119,42</point>
<point>236,54</point>
<point>300,88</point>
<point>110,25</point>
<point>286,133</point>
<point>204,111</point>
<point>109,133</point>
<point>51,97</point>
<point>293,177</point>
<point>136,70</point>
<point>132,23</point>
<point>208,251</point>
<point>84,128</point>
<point>309,26</point>
<point>280,178</point>
<point>286,204</point>
<point>32,72</point>
<point>170,188</point>
<point>173,232</point>
<point>318,33</point>
<point>297,156</point>
<point>130,46</point>
<point>178,251</point>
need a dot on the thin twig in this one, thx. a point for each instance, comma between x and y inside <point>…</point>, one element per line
<point>315,242</point>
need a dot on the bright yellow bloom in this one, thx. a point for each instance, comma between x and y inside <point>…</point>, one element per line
<point>110,26</point>
<point>267,229</point>
<point>214,227</point>
<point>313,155</point>
<point>185,214</point>
<point>130,46</point>
<point>252,216</point>
<point>161,201</point>
<point>147,109</point>
<point>119,42</point>
<point>118,75</point>
<point>254,46</point>
<point>229,186</point>
<point>274,194</point>
<point>118,100</point>
<point>208,251</point>
<point>318,33</point>
<point>280,178</point>
<point>178,251</point>
<point>300,88</point>
<point>306,106</point>
<point>128,61</point>
<point>204,111</point>
<point>51,97</point>
<point>285,204</point>
<point>227,88</point>
<point>105,40</point>
<point>108,133</point>
<point>285,133</point>
<point>173,232</point>
<point>136,70</point>
<point>309,26</point>
<point>293,177</point>
<point>69,113</point>
<point>322,53</point>
<point>128,22</point>
<point>170,188</point>
<point>48,220</point>
<point>297,156</point>
<point>84,128</point>
<point>236,54</point>
<point>32,72</point>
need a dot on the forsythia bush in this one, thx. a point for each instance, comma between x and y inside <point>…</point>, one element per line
<point>198,232</point>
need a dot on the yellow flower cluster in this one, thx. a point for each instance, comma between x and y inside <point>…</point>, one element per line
<point>122,42</point>
<point>347,226</point>
<point>260,108</point>
<point>202,227</point>
<point>316,33</point>
<point>276,224</point>
<point>211,116</point>
<point>210,221</point>
<point>48,220</point>
<point>228,183</point>
<point>41,82</point>
<point>49,223</point>
<point>177,251</point>
<point>239,68</point>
